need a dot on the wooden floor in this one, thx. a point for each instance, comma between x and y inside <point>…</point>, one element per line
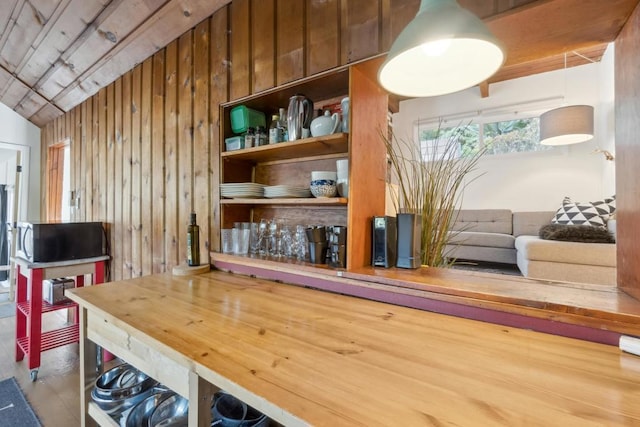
<point>55,395</point>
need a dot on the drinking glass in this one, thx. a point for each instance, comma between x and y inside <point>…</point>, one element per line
<point>240,236</point>
<point>263,237</point>
<point>286,241</point>
<point>274,237</point>
<point>301,243</point>
<point>254,238</point>
<point>227,240</point>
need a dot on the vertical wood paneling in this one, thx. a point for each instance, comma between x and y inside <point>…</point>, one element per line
<point>85,170</point>
<point>127,257</point>
<point>55,162</point>
<point>240,78</point>
<point>136,214</point>
<point>201,135</point>
<point>263,41</point>
<point>88,164</point>
<point>484,8</point>
<point>157,163</point>
<point>76,162</point>
<point>323,31</point>
<point>219,90</point>
<point>45,139</point>
<point>102,154</point>
<point>109,184</point>
<point>627,111</point>
<point>146,202</point>
<point>360,29</point>
<point>396,14</point>
<point>117,242</point>
<point>171,155</point>
<point>290,41</point>
<point>185,139</point>
<point>95,188</point>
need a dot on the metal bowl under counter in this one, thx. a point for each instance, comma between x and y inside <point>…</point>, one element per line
<point>120,388</point>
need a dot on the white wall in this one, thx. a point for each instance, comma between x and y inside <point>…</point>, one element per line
<point>533,181</point>
<point>18,134</point>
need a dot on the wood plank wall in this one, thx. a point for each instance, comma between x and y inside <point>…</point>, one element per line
<point>145,148</point>
<point>627,111</point>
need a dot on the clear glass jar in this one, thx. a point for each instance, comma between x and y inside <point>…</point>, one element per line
<point>250,138</point>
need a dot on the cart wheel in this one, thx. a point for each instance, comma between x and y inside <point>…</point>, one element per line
<point>34,375</point>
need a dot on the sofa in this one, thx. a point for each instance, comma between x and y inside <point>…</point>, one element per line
<point>503,236</point>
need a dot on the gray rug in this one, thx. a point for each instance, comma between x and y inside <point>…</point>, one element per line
<point>14,408</point>
<point>487,267</point>
<point>7,308</point>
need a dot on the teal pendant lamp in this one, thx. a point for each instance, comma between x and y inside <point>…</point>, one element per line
<point>444,49</point>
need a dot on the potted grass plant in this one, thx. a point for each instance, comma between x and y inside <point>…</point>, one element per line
<point>430,179</point>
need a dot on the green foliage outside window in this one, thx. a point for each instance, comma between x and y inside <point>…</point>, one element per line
<point>510,136</point>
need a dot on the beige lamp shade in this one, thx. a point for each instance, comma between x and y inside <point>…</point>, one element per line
<point>567,125</point>
<point>444,49</point>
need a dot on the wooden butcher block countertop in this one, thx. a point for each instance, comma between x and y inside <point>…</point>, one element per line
<point>305,356</point>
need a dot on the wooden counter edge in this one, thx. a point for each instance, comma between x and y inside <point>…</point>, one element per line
<point>595,323</point>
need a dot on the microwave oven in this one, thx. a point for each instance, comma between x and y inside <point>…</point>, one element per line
<point>60,241</point>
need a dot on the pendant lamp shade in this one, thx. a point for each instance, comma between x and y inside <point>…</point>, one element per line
<point>444,49</point>
<point>566,125</point>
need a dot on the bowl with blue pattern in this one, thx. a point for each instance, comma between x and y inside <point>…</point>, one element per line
<point>323,188</point>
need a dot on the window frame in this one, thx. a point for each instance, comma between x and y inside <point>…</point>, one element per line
<point>480,119</point>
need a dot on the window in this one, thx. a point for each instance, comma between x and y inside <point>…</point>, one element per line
<point>515,135</point>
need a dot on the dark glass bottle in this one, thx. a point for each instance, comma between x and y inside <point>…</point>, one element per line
<point>193,242</point>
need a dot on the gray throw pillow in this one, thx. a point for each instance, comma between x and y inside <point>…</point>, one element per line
<point>576,233</point>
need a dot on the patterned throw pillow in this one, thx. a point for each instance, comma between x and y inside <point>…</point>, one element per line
<point>585,213</point>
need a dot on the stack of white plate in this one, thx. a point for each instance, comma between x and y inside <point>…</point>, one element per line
<point>286,191</point>
<point>242,190</point>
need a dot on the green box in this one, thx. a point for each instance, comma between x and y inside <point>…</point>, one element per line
<point>243,118</point>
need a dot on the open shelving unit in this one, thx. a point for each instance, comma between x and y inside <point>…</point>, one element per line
<point>292,162</point>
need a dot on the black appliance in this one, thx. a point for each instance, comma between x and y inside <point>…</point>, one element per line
<point>409,240</point>
<point>60,241</point>
<point>383,241</point>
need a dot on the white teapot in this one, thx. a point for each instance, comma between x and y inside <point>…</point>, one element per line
<point>325,124</point>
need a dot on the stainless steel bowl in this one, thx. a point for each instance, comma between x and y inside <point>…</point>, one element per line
<point>122,382</point>
<point>121,388</point>
<point>140,414</point>
<point>171,412</point>
<point>118,406</point>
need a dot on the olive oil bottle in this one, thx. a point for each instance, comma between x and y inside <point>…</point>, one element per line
<point>193,242</point>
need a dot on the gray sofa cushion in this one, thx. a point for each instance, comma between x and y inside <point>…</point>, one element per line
<point>495,240</point>
<point>529,223</point>
<point>484,220</point>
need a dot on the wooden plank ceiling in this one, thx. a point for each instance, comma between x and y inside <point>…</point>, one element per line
<point>56,53</point>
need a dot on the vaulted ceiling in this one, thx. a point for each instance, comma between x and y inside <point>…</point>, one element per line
<point>56,53</point>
